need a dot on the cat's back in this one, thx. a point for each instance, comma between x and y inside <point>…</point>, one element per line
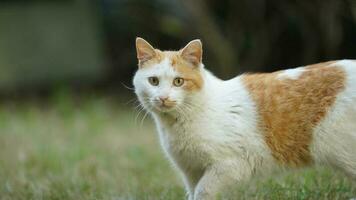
<point>293,105</point>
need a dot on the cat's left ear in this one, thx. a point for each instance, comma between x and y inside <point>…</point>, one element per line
<point>144,50</point>
<point>193,52</point>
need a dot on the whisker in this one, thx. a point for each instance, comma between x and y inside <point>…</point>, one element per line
<point>127,87</point>
<point>138,114</point>
<point>132,101</point>
<point>143,119</point>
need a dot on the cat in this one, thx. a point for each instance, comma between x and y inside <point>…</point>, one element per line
<point>221,132</point>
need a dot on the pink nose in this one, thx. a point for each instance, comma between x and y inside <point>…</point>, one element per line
<point>163,98</point>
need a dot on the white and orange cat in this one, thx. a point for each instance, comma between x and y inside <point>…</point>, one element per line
<point>217,132</point>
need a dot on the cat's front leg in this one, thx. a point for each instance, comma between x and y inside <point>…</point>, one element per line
<point>219,176</point>
<point>190,191</point>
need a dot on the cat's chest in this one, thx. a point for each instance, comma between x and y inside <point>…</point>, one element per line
<point>186,144</point>
<point>181,137</point>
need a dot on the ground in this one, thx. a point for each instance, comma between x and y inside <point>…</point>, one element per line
<point>96,148</point>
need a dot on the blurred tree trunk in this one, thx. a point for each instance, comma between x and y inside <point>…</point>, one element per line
<point>352,5</point>
<point>203,21</point>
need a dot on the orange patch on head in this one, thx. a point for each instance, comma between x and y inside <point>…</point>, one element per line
<point>157,58</point>
<point>290,109</point>
<point>185,61</point>
<point>190,73</point>
<point>193,80</point>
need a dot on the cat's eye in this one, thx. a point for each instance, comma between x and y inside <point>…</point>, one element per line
<point>153,80</point>
<point>178,82</point>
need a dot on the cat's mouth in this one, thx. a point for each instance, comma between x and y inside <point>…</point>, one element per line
<point>165,106</point>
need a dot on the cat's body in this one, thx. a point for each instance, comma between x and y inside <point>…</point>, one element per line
<point>221,132</point>
<point>221,127</point>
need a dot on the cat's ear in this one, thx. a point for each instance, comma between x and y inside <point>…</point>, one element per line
<point>144,50</point>
<point>193,52</point>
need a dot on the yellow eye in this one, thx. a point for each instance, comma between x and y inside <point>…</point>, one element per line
<point>153,80</point>
<point>178,82</point>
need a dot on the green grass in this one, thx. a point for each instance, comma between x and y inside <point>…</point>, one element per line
<point>94,148</point>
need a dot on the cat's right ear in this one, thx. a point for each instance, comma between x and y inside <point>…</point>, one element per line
<point>193,52</point>
<point>144,50</point>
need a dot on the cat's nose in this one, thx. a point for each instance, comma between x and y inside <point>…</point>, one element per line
<point>163,98</point>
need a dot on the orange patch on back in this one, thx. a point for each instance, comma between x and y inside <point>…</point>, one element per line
<point>290,109</point>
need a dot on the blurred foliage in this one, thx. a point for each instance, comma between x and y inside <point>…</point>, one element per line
<point>44,44</point>
<point>238,36</point>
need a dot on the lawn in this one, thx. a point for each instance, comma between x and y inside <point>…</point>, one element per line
<point>96,147</point>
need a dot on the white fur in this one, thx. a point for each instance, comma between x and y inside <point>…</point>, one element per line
<point>213,139</point>
<point>147,93</point>
<point>291,73</point>
<point>334,139</point>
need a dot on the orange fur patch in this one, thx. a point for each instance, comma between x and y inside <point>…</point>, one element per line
<point>191,74</point>
<point>185,61</point>
<point>290,109</point>
<point>168,103</point>
<point>155,60</point>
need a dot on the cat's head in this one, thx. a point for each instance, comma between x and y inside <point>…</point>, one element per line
<point>167,80</point>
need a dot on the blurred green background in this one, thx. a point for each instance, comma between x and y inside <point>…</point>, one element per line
<point>45,44</point>
<point>70,127</point>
